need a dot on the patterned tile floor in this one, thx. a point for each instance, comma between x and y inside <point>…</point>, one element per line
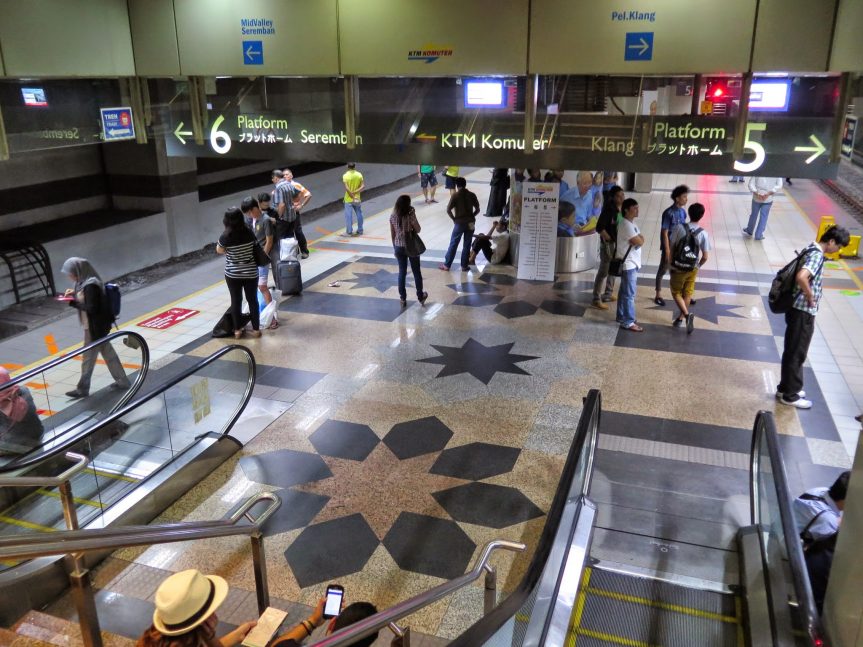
<point>414,436</point>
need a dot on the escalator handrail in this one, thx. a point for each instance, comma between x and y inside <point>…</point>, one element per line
<point>130,392</point>
<point>74,541</point>
<point>586,431</point>
<point>765,427</point>
<point>159,390</point>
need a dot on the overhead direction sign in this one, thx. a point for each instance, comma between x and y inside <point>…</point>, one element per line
<point>117,124</point>
<point>638,46</point>
<point>253,52</point>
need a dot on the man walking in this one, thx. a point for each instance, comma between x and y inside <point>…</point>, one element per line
<point>800,318</point>
<point>300,198</point>
<point>428,181</point>
<point>354,186</point>
<point>466,206</point>
<point>763,190</point>
<point>671,217</point>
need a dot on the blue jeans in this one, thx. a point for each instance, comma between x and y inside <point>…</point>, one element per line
<point>762,208</point>
<point>459,231</point>
<point>352,208</point>
<point>403,258</point>
<point>626,298</point>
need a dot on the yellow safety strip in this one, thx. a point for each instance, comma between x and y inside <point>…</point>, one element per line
<point>29,525</point>
<point>665,606</point>
<point>76,499</point>
<point>580,601</point>
<point>611,638</point>
<point>116,477</point>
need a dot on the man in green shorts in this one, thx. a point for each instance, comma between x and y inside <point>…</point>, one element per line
<point>428,181</point>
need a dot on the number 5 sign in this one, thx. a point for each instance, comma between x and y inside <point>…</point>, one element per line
<point>755,147</point>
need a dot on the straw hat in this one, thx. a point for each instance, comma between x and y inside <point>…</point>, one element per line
<point>185,600</point>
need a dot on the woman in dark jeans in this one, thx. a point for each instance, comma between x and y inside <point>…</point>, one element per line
<point>404,219</point>
<point>241,272</point>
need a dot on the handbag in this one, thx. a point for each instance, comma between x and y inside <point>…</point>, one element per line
<point>615,266</point>
<point>414,245</point>
<point>261,257</point>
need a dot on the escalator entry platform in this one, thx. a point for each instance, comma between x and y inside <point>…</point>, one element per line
<point>621,609</point>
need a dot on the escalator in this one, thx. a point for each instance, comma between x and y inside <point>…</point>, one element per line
<point>137,460</point>
<point>573,595</point>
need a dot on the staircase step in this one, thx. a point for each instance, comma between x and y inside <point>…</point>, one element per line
<point>39,629</point>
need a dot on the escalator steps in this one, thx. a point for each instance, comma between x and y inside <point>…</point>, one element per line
<point>620,609</point>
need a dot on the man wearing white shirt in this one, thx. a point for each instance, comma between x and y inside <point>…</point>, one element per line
<point>629,242</point>
<point>763,190</point>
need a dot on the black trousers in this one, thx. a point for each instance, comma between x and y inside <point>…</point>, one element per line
<point>295,229</point>
<point>662,270</point>
<point>799,327</point>
<point>482,244</point>
<point>236,288</point>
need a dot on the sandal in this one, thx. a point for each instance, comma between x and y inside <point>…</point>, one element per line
<point>659,301</point>
<point>633,328</point>
<point>238,334</point>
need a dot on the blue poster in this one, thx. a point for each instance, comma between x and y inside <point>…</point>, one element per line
<point>117,124</point>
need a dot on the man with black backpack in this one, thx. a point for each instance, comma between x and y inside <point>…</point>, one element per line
<point>800,317</point>
<point>689,246</point>
<point>818,515</point>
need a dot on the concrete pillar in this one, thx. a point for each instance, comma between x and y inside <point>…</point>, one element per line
<point>843,607</point>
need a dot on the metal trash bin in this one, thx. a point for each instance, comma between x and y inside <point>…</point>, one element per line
<point>577,254</point>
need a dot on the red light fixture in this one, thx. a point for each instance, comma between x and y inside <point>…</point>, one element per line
<point>718,92</point>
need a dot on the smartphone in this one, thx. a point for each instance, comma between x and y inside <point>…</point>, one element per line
<point>335,596</point>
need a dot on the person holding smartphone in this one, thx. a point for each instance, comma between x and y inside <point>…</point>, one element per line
<point>348,616</point>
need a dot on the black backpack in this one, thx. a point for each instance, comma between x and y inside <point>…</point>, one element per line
<point>685,256</point>
<point>781,295</point>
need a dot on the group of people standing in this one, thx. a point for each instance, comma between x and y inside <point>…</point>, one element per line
<point>260,222</point>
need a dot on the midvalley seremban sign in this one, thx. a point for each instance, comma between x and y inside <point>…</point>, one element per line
<point>777,146</point>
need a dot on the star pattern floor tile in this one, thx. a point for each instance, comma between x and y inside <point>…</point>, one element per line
<point>478,360</point>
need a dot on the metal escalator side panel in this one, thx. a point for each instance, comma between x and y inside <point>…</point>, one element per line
<point>54,420</point>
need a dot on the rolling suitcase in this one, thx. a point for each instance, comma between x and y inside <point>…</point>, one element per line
<point>290,277</point>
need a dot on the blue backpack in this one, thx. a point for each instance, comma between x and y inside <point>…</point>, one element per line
<point>112,293</point>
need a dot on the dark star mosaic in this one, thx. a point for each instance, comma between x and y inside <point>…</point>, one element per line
<point>477,359</point>
<point>380,280</point>
<point>708,309</point>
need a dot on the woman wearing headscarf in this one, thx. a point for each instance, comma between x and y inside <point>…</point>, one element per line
<point>94,313</point>
<point>185,615</point>
<point>20,427</point>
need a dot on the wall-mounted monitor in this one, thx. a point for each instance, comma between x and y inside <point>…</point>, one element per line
<point>34,97</point>
<point>484,94</point>
<point>772,95</point>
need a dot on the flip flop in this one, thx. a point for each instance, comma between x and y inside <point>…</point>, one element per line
<point>334,284</point>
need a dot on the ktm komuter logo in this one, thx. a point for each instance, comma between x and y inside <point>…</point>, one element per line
<point>430,53</point>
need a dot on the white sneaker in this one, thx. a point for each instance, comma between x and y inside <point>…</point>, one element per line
<point>800,393</point>
<point>800,403</point>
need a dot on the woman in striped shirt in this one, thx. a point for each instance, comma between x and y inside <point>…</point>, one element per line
<point>241,271</point>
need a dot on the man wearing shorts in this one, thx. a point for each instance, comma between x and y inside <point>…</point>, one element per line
<point>263,228</point>
<point>428,181</point>
<point>683,282</point>
<point>450,174</point>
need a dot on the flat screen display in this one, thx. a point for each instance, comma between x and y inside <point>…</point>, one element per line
<point>770,95</point>
<point>484,94</point>
<point>34,97</point>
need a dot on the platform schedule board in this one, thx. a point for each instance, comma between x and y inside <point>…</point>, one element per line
<point>537,246</point>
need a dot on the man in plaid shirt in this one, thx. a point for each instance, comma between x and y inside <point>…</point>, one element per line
<point>800,319</point>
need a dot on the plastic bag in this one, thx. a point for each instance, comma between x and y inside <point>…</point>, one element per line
<point>261,303</point>
<point>289,249</point>
<point>268,314</point>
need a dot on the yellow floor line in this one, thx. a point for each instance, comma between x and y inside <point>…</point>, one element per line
<point>580,601</point>
<point>116,477</point>
<point>665,606</point>
<point>29,525</point>
<point>611,638</point>
<point>76,499</point>
<point>738,610</point>
<point>841,262</point>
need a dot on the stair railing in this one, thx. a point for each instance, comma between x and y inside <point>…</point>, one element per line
<point>74,543</point>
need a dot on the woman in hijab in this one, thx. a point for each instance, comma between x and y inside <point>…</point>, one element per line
<point>94,313</point>
<point>20,427</point>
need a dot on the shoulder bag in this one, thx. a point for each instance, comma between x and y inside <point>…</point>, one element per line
<point>414,245</point>
<point>615,266</point>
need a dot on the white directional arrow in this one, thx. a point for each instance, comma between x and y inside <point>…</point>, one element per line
<point>251,52</point>
<point>815,150</point>
<point>179,132</point>
<point>643,47</point>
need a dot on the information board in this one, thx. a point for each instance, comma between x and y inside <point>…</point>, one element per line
<point>848,135</point>
<point>117,124</point>
<point>537,245</point>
